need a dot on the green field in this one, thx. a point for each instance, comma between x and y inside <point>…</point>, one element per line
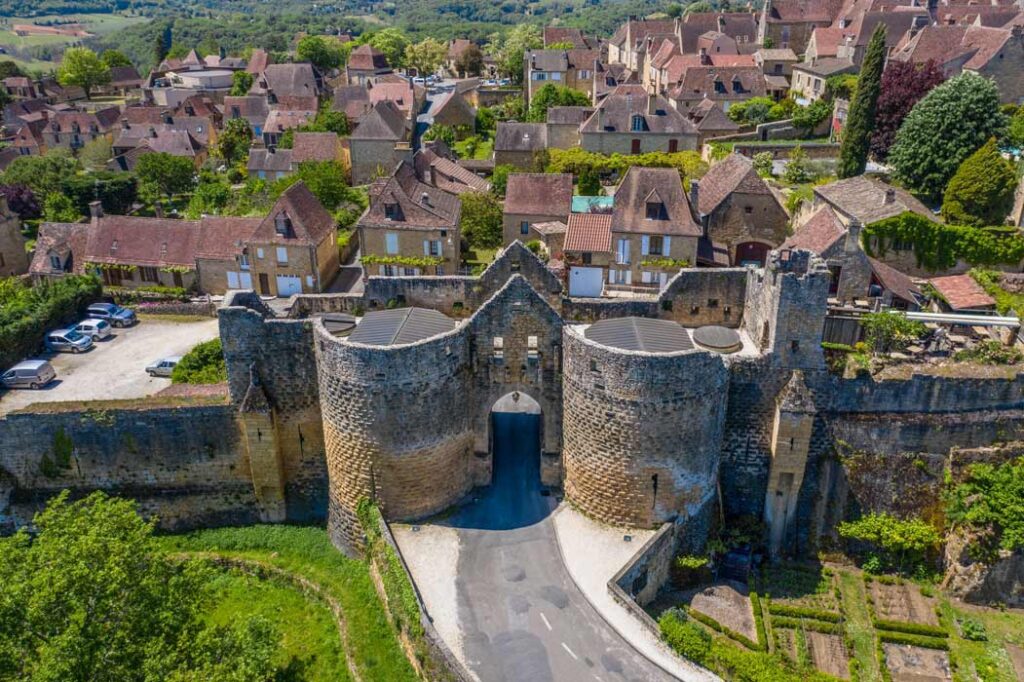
<point>18,47</point>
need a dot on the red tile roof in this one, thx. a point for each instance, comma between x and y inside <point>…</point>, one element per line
<point>539,194</point>
<point>818,234</point>
<point>589,232</point>
<point>659,185</point>
<point>961,292</point>
<point>310,221</point>
<point>735,173</point>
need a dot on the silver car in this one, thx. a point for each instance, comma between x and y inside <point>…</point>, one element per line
<point>94,329</point>
<point>68,340</point>
<point>163,367</point>
<point>28,374</point>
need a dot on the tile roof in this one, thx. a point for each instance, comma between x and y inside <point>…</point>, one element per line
<point>278,120</point>
<point>65,240</point>
<point>520,137</point>
<point>385,121</point>
<point>777,54</point>
<point>818,234</point>
<point>124,76</point>
<point>252,107</point>
<point>223,238</point>
<point>288,80</point>
<point>616,111</point>
<point>310,221</point>
<point>901,285</point>
<point>739,82</point>
<point>550,227</point>
<point>589,232</point>
<point>741,26</point>
<point>869,199</point>
<point>735,173</point>
<point>658,185</point>
<point>961,292</point>
<point>279,160</point>
<point>174,142</point>
<point>827,66</point>
<point>827,40</point>
<point>367,58</point>
<point>403,188</point>
<point>156,242</point>
<point>457,47</point>
<point>402,93</point>
<point>258,61</point>
<point>315,147</point>
<point>539,194</point>
<point>446,173</point>
<point>803,11</point>
<point>352,100</point>
<point>568,115</point>
<point>558,34</point>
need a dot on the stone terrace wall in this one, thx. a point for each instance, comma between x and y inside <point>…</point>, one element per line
<point>642,431</point>
<point>184,464</point>
<point>931,394</point>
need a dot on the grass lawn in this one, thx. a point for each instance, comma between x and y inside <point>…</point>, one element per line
<point>859,626</point>
<point>478,258</point>
<point>308,552</point>
<point>97,24</point>
<point>983,660</point>
<point>310,648</point>
<point>483,151</point>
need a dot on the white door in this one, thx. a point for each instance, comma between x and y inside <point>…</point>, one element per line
<point>288,285</point>
<point>585,281</point>
<point>246,280</point>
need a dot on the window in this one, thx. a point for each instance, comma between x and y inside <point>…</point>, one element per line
<point>556,76</point>
<point>283,226</point>
<point>391,243</point>
<point>149,274</point>
<point>655,210</point>
<point>622,252</point>
<point>531,348</point>
<point>282,255</point>
<point>748,209</point>
<point>720,87</point>
<point>524,227</point>
<point>236,112</point>
<point>243,260</point>
<point>431,247</point>
<point>637,124</point>
<point>539,76</point>
<point>392,211</point>
<point>499,347</point>
<point>388,270</point>
<point>583,73</point>
<point>259,253</point>
<point>777,69</point>
<point>656,244</point>
<point>55,263</point>
<point>262,175</point>
<point>309,281</point>
<point>737,85</point>
<point>587,258</point>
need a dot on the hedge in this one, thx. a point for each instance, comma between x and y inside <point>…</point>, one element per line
<point>807,624</point>
<point>27,314</point>
<point>913,640</point>
<point>718,627</point>
<point>803,612</point>
<point>762,635</point>
<point>910,628</point>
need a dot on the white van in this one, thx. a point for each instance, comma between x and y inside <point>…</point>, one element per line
<point>29,374</point>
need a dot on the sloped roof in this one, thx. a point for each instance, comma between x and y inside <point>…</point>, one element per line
<point>901,285</point>
<point>699,82</point>
<point>398,326</point>
<point>279,120</point>
<point>310,221</point>
<point>64,240</point>
<point>868,200</point>
<point>741,26</point>
<point>279,160</point>
<point>713,118</point>
<point>223,238</point>
<point>258,61</point>
<point>656,184</point>
<point>589,232</point>
<point>447,174</point>
<point>352,100</point>
<point>616,112</point>
<point>420,206</point>
<point>803,11</point>
<point>156,242</point>
<point>520,137</point>
<point>384,121</point>
<point>315,147</point>
<point>367,58</point>
<point>643,334</point>
<point>558,34</point>
<point>821,231</point>
<point>735,173</point>
<point>297,80</point>
<point>568,115</point>
<point>961,292</point>
<point>539,194</point>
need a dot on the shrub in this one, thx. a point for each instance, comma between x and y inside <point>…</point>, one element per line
<point>802,612</point>
<point>913,640</point>
<point>991,498</point>
<point>763,163</point>
<point>204,364</point>
<point>910,628</point>
<point>904,542</point>
<point>973,630</point>
<point>890,330</point>
<point>688,640</point>
<point>991,352</point>
<point>762,635</point>
<point>981,192</point>
<point>807,624</point>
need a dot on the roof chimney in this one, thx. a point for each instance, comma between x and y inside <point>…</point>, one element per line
<point>272,149</point>
<point>652,104</point>
<point>721,23</point>
<point>152,131</point>
<point>704,59</point>
<point>168,119</point>
<point>96,209</point>
<point>694,193</point>
<point>890,196</point>
<point>425,199</point>
<point>600,119</point>
<point>124,123</point>
<point>852,244</point>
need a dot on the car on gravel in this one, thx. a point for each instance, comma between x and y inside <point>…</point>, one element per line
<point>67,340</point>
<point>94,329</point>
<point>29,374</point>
<point>116,315</point>
<point>163,367</point>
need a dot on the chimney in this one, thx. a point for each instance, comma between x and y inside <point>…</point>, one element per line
<point>1017,31</point>
<point>124,124</point>
<point>96,209</point>
<point>152,131</point>
<point>425,199</point>
<point>272,149</point>
<point>704,59</point>
<point>721,24</point>
<point>600,119</point>
<point>168,119</point>
<point>694,194</point>
<point>652,104</point>
<point>852,244</point>
<point>429,176</point>
<point>890,196</point>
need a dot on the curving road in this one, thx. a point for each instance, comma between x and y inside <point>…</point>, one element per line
<point>520,615</point>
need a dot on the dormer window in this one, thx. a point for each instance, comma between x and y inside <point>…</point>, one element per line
<point>655,210</point>
<point>55,262</point>
<point>737,85</point>
<point>392,211</point>
<point>637,124</point>
<point>283,225</point>
<point>720,87</point>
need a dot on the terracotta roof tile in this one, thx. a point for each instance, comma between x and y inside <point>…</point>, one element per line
<point>662,185</point>
<point>818,234</point>
<point>961,292</point>
<point>589,232</point>
<point>309,220</point>
<point>403,188</point>
<point>735,173</point>
<point>539,194</point>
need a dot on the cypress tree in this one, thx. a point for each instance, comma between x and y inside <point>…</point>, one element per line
<point>860,124</point>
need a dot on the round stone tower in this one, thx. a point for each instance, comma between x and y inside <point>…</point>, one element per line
<point>643,420</point>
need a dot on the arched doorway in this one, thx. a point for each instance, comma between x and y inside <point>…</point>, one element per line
<point>752,253</point>
<point>515,442</point>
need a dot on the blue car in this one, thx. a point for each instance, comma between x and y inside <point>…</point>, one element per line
<point>114,314</point>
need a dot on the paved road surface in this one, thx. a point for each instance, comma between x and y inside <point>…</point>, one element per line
<point>521,616</point>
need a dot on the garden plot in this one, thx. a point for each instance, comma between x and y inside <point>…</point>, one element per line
<point>801,586</point>
<point>785,643</point>
<point>729,606</point>
<point>903,603</point>
<point>828,652</point>
<point>915,664</point>
<point>1017,659</point>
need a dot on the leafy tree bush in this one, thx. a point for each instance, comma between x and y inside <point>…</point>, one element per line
<point>689,640</point>
<point>938,247</point>
<point>763,163</point>
<point>116,191</point>
<point>42,174</point>
<point>860,122</point>
<point>499,178</point>
<point>323,53</point>
<point>511,52</point>
<point>990,499</point>
<point>810,117</point>
<point>22,201</point>
<point>91,597</point>
<point>444,134</point>
<point>949,124</point>
<point>80,66</point>
<point>165,174</point>
<point>325,179</point>
<point>481,219</point>
<point>576,160</point>
<point>233,142</point>
<point>841,85</point>
<point>471,62</point>
<point>426,56</point>
<point>58,208</point>
<point>889,330</point>
<point>798,168</point>
<point>589,184</point>
<point>981,193</point>
<point>551,95</point>
<point>392,42</point>
<point>211,196</point>
<point>114,58</point>
<point>241,83</point>
<point>904,84</point>
<point>204,364</point>
<point>903,543</point>
<point>752,111</point>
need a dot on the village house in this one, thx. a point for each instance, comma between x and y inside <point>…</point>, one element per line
<point>560,35</point>
<point>520,144</point>
<point>739,27</point>
<point>453,110</point>
<point>631,121</point>
<point>166,140</point>
<point>280,120</point>
<point>409,228</point>
<point>711,121</point>
<point>572,68</point>
<point>436,167</point>
<point>810,79</point>
<point>272,163</point>
<point>73,129</point>
<point>379,142</point>
<point>288,80</point>
<point>960,294</point>
<point>653,230</point>
<point>722,84</point>
<point>533,198</point>
<point>587,252</point>
<point>630,42</point>
<point>608,76</point>
<point>563,126</point>
<point>789,23</point>
<point>366,64</point>
<point>253,108</point>
<point>738,211</point>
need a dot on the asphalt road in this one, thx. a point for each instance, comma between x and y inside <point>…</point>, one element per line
<point>521,616</point>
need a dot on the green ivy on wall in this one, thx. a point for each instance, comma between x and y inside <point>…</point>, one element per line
<point>939,247</point>
<point>411,261</point>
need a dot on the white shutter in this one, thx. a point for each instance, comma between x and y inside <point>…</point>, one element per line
<point>232,280</point>
<point>645,245</point>
<point>426,247</point>
<point>663,278</point>
<point>611,276</point>
<point>645,277</point>
<point>629,277</point>
<point>666,246</point>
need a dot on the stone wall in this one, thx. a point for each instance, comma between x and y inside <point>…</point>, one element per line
<point>642,577</point>
<point>184,464</point>
<point>642,431</point>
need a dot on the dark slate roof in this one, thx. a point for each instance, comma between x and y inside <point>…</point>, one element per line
<point>520,137</point>
<point>640,334</point>
<point>661,185</point>
<point>310,221</point>
<point>288,80</point>
<point>615,114</point>
<point>384,122</point>
<point>265,160</point>
<point>403,188</point>
<point>367,58</point>
<point>401,325</point>
<point>569,115</point>
<point>735,173</point>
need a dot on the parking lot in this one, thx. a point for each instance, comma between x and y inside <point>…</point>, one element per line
<point>115,368</point>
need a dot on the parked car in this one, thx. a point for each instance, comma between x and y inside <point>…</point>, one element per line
<point>94,329</point>
<point>68,340</point>
<point>163,367</point>
<point>112,313</point>
<point>30,373</point>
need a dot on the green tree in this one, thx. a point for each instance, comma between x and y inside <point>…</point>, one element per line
<point>58,208</point>
<point>589,184</point>
<point>471,62</point>
<point>241,83</point>
<point>798,167</point>
<point>674,10</point>
<point>211,196</point>
<point>1015,131</point>
<point>90,597</point>
<point>551,95</point>
<point>990,499</point>
<point>204,364</point>
<point>164,174</point>
<point>325,179</point>
<point>321,52</point>
<point>95,153</point>
<point>949,124</point>
<point>763,163</point>
<point>903,542</point>
<point>9,68</point>
<point>42,174</point>
<point>426,56</point>
<point>160,46</point>
<point>392,42</point>
<point>481,220</point>
<point>512,51</point>
<point>445,134</point>
<point>499,178</point>
<point>903,86</point>
<point>114,58</point>
<point>810,117</point>
<point>80,66</point>
<point>860,122</point>
<point>233,142</point>
<point>890,330</point>
<point>981,193</point>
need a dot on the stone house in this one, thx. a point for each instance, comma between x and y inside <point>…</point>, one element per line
<point>158,140</point>
<point>738,210</point>
<point>73,129</point>
<point>789,23</point>
<point>280,120</point>
<point>532,198</point>
<point>283,81</point>
<point>739,27</point>
<point>435,166</point>
<point>555,35</point>
<point>28,139</point>
<point>520,144</point>
<point>410,228</point>
<point>777,61</point>
<point>365,65</point>
<point>13,257</point>
<point>253,108</point>
<point>588,252</point>
<point>453,110</point>
<point>722,84</point>
<point>563,126</point>
<point>857,34</point>
<point>381,140</point>
<point>271,163</point>
<point>123,81</point>
<point>629,43</point>
<point>222,256</point>
<point>810,78</point>
<point>456,48</point>
<point>609,76</point>
<point>653,230</point>
<point>711,121</point>
<point>631,121</point>
<point>569,68</point>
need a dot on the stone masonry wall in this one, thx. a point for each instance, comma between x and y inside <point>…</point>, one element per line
<point>642,431</point>
<point>184,464</point>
